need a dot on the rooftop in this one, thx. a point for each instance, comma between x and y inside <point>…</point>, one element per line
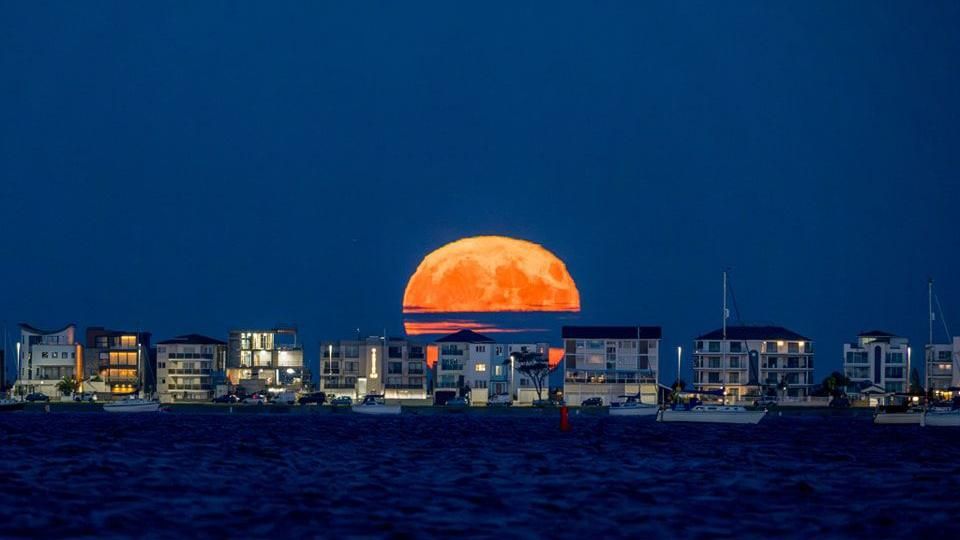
<point>611,332</point>
<point>192,339</point>
<point>465,336</point>
<point>754,333</point>
<point>35,330</point>
<point>876,333</point>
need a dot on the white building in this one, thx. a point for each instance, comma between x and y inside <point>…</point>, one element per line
<point>474,365</point>
<point>880,358</point>
<point>45,358</point>
<point>394,367</point>
<point>611,361</point>
<point>942,366</point>
<point>752,361</point>
<point>190,367</point>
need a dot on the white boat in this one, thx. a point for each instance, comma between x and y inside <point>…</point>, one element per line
<point>10,405</point>
<point>132,405</point>
<point>712,414</point>
<point>375,404</point>
<point>941,418</point>
<point>631,406</point>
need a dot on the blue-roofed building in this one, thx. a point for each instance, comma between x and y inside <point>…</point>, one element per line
<point>752,361</point>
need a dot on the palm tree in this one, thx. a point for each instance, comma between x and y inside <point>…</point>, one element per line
<point>68,385</point>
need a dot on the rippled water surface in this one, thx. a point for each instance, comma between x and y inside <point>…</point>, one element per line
<point>324,475</point>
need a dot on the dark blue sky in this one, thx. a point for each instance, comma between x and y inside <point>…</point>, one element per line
<point>195,166</point>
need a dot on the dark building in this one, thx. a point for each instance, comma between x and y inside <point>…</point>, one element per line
<point>123,359</point>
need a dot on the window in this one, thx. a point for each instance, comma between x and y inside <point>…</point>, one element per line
<point>480,367</point>
<point>771,346</point>
<point>699,345</point>
<point>713,362</point>
<point>772,363</point>
<point>713,377</point>
<point>56,354</point>
<point>395,368</point>
<point>893,372</point>
<point>793,347</point>
<point>735,362</point>
<point>895,358</point>
<point>498,370</point>
<point>943,356</point>
<point>736,346</point>
<point>498,350</point>
<point>44,354</point>
<point>481,348</point>
<point>734,378</point>
<point>713,346</point>
<point>415,367</point>
<point>793,362</point>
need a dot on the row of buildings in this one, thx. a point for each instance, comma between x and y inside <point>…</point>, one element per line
<point>743,362</point>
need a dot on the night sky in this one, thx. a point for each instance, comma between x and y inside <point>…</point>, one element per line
<point>195,166</point>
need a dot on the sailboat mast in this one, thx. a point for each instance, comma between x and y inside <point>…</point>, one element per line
<point>930,311</point>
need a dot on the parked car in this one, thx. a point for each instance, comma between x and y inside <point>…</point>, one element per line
<point>457,402</point>
<point>226,398</point>
<point>313,398</point>
<point>88,397</point>
<point>500,400</point>
<point>284,398</point>
<point>592,402</point>
<point>765,401</point>
<point>342,401</point>
<point>37,396</point>
<point>255,399</point>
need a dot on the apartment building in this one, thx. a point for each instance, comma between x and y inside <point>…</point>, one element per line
<point>190,367</point>
<point>394,367</point>
<point>880,358</point>
<point>262,360</point>
<point>611,361</point>
<point>749,361</point>
<point>45,357</point>
<point>121,359</point>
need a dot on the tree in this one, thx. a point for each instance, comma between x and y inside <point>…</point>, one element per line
<point>68,385</point>
<point>833,385</point>
<point>535,367</point>
<point>915,387</point>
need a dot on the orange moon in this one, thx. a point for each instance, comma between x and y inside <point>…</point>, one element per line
<point>491,273</point>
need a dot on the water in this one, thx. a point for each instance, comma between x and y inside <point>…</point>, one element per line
<point>493,476</point>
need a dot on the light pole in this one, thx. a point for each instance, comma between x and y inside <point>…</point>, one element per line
<point>679,355</point>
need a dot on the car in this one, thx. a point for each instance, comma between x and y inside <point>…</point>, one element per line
<point>89,397</point>
<point>226,398</point>
<point>500,400</point>
<point>255,399</point>
<point>457,402</point>
<point>766,401</point>
<point>313,398</point>
<point>37,396</point>
<point>342,401</point>
<point>592,402</point>
<point>548,403</point>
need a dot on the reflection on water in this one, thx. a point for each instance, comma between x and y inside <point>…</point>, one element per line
<point>261,475</point>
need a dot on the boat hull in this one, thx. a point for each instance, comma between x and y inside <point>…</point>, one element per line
<point>897,418</point>
<point>634,411</point>
<point>377,409</point>
<point>711,417</point>
<point>950,419</point>
<point>136,408</point>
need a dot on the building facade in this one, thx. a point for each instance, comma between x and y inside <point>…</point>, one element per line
<point>394,367</point>
<point>266,360</point>
<point>475,366</point>
<point>879,358</point>
<point>190,367</point>
<point>940,367</point>
<point>46,357</point>
<point>752,361</point>
<point>121,359</point>
<point>611,361</point>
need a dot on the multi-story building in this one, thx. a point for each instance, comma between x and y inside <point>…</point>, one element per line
<point>751,361</point>
<point>611,361</point>
<point>190,367</point>
<point>880,358</point>
<point>475,366</point>
<point>940,367</point>
<point>262,360</point>
<point>394,367</point>
<point>46,357</point>
<point>121,359</point>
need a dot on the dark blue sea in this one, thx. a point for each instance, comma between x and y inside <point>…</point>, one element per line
<point>286,476</point>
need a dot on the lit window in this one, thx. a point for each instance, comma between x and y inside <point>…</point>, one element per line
<point>481,367</point>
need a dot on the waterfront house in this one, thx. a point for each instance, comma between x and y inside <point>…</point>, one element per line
<point>610,361</point>
<point>751,361</point>
<point>880,358</point>
<point>463,366</point>
<point>394,367</point>
<point>940,367</point>
<point>190,367</point>
<point>46,357</point>
<point>266,360</point>
<point>121,359</point>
